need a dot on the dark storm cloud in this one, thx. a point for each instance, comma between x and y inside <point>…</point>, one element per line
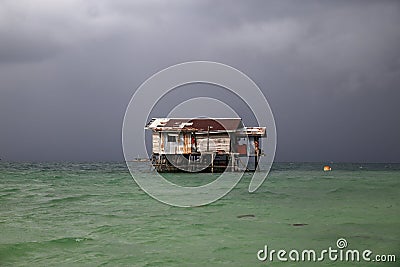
<point>330,70</point>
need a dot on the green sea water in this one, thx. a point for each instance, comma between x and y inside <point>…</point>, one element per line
<point>93,214</point>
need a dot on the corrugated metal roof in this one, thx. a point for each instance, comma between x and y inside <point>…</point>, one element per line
<point>199,124</point>
<point>202,124</point>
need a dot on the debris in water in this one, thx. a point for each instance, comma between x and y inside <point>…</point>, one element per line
<point>299,224</point>
<point>246,216</point>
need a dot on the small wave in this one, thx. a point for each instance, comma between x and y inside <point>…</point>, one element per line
<point>71,198</point>
<point>269,192</point>
<point>24,247</point>
<point>67,240</point>
<point>104,229</point>
<point>5,195</point>
<point>221,249</point>
<point>334,190</point>
<point>218,204</point>
<point>10,190</point>
<point>337,190</point>
<point>198,225</point>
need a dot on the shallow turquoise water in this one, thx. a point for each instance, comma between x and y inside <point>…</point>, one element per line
<point>94,214</point>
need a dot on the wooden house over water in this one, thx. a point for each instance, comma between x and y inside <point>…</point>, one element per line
<point>204,144</point>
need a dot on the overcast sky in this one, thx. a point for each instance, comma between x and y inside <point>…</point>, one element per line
<point>329,69</point>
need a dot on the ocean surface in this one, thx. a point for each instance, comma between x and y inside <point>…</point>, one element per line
<point>94,214</point>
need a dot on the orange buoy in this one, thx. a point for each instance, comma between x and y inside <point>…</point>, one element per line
<point>327,168</point>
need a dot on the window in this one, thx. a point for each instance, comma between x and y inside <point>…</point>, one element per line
<point>171,138</point>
